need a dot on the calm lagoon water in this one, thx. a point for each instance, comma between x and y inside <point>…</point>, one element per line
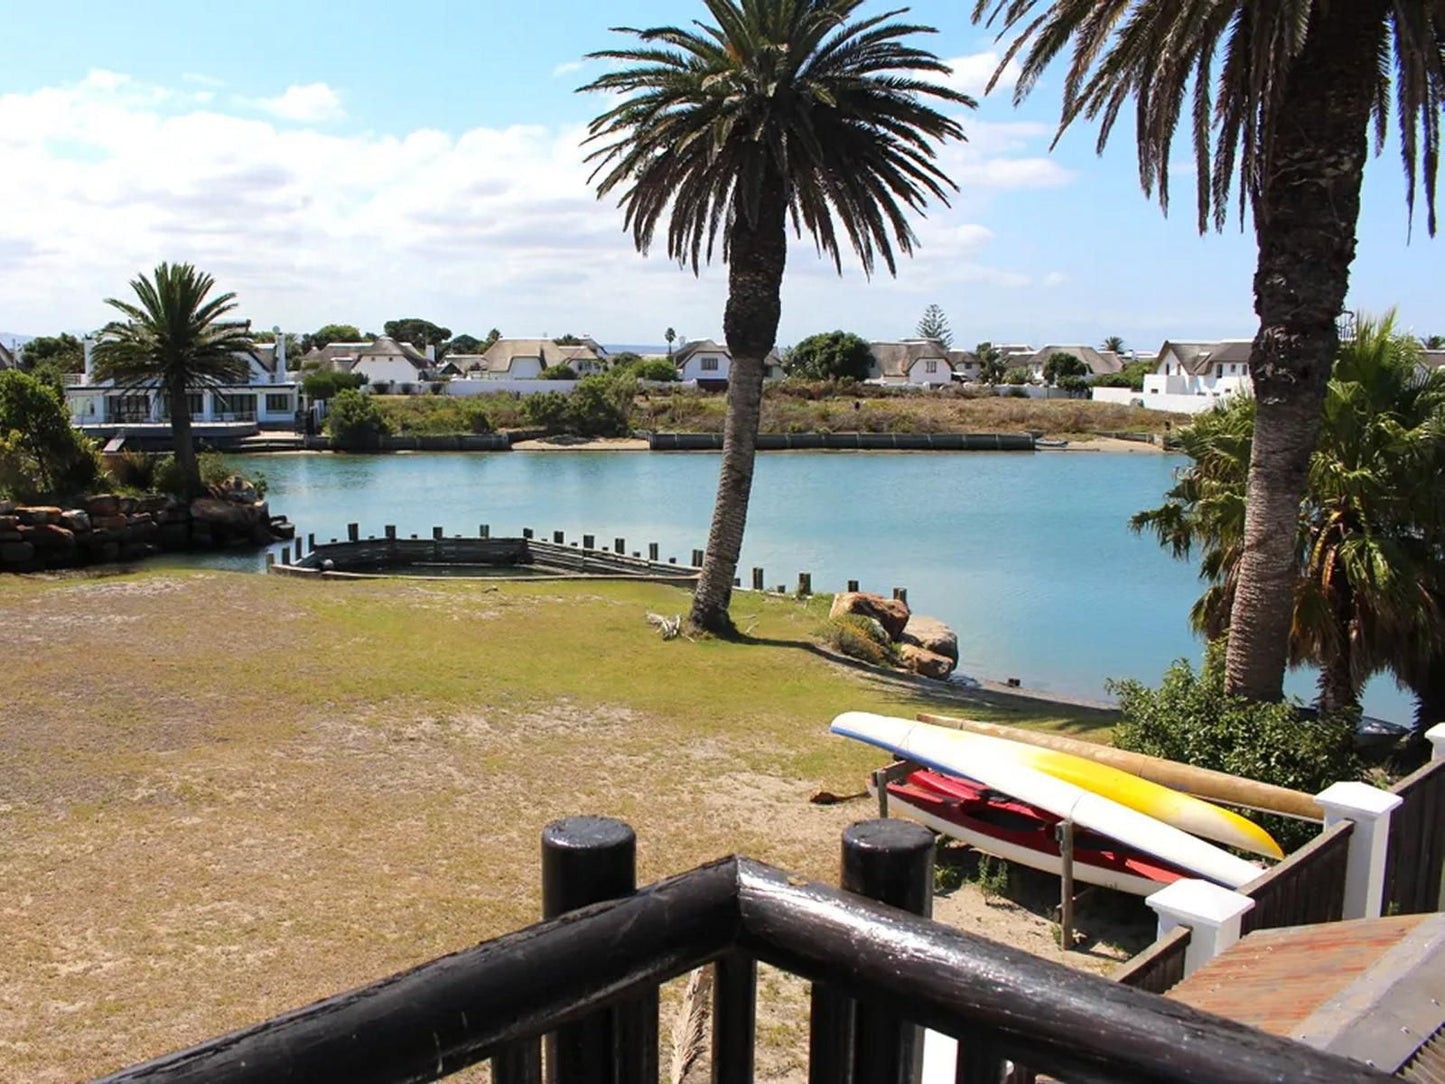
<point>1028,556</point>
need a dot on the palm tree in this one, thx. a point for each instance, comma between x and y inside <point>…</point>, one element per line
<point>1435,342</point>
<point>671,336</point>
<point>779,109</point>
<point>1114,343</point>
<point>1367,558</point>
<point>1289,107</point>
<point>176,338</point>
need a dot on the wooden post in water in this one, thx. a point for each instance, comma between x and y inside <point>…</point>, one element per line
<point>901,594</point>
<point>588,860</point>
<point>589,542</point>
<point>484,531</point>
<point>757,579</point>
<point>619,545</point>
<point>353,532</point>
<point>853,585</point>
<point>1065,832</point>
<point>391,532</point>
<point>311,542</point>
<point>527,532</point>
<point>805,584</point>
<point>436,533</point>
<point>559,537</point>
<point>697,556</point>
<point>652,551</point>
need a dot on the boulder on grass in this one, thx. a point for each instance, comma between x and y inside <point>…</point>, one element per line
<point>932,635</point>
<point>75,520</point>
<point>888,612</point>
<point>925,663</point>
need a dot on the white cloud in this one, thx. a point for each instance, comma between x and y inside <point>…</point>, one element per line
<point>487,227</point>
<point>203,80</point>
<point>1055,278</point>
<point>566,68</point>
<point>971,74</point>
<point>311,103</point>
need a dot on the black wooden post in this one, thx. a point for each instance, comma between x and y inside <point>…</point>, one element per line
<point>853,585</point>
<point>890,861</point>
<point>270,561</point>
<point>520,1063</point>
<point>652,551</point>
<point>588,860</point>
<point>285,555</point>
<point>757,579</point>
<point>734,1019</point>
<point>589,542</point>
<point>805,583</point>
<point>436,533</point>
<point>697,556</point>
<point>527,532</point>
<point>391,532</point>
<point>311,542</point>
<point>901,594</point>
<point>484,531</point>
<point>619,545</point>
<point>559,537</point>
<point>353,532</point>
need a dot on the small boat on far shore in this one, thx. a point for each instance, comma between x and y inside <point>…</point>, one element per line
<point>1047,442</point>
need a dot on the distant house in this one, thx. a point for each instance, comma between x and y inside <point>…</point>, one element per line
<point>1099,362</point>
<point>1192,376</point>
<point>1429,360</point>
<point>704,361</point>
<point>966,365</point>
<point>337,357</point>
<point>267,398</point>
<point>399,365</point>
<point>524,359</point>
<point>920,362</point>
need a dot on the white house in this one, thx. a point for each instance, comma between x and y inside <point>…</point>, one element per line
<point>399,366</point>
<point>1099,362</point>
<point>704,361</point>
<point>966,365</point>
<point>268,398</point>
<point>1193,376</point>
<point>1429,361</point>
<point>524,359</point>
<point>920,362</point>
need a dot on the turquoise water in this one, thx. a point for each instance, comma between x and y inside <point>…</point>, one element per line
<point>1028,556</point>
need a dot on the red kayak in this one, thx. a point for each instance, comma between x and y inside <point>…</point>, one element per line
<point>1013,830</point>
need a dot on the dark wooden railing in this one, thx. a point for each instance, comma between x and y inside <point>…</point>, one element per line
<point>587,979</point>
<point>1307,887</point>
<point>1160,967</point>
<point>1416,858</point>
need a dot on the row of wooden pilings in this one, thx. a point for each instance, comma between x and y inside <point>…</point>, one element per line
<point>589,860</point>
<point>588,542</point>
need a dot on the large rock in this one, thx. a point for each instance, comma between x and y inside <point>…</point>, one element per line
<point>40,514</point>
<point>932,635</point>
<point>225,516</point>
<point>237,489</point>
<point>75,520</point>
<point>888,612</point>
<point>7,508</point>
<point>103,506</point>
<point>16,552</point>
<point>48,536</point>
<point>925,663</point>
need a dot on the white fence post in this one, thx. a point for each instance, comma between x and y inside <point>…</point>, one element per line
<point>1213,915</point>
<point>1369,808</point>
<point>1436,734</point>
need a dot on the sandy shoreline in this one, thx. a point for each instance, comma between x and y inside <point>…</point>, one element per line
<point>640,444</point>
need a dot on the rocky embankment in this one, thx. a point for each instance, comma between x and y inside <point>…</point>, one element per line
<point>924,645</point>
<point>108,527</point>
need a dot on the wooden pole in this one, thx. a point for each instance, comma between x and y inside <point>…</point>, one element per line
<point>311,542</point>
<point>559,537</point>
<point>697,556</point>
<point>1065,832</point>
<point>285,555</point>
<point>391,532</point>
<point>805,583</point>
<point>589,542</point>
<point>484,531</point>
<point>853,585</point>
<point>587,860</point>
<point>619,545</point>
<point>901,594</point>
<point>353,532</point>
<point>436,533</point>
<point>527,532</point>
<point>1202,782</point>
<point>734,1018</point>
<point>652,551</point>
<point>757,579</point>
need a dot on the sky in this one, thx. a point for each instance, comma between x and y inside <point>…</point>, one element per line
<point>365,161</point>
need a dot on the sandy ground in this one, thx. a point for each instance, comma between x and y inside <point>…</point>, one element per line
<point>582,444</point>
<point>1111,444</point>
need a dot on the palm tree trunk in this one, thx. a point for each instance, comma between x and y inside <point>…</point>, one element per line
<point>756,255</point>
<point>1305,223</point>
<point>185,449</point>
<point>1337,691</point>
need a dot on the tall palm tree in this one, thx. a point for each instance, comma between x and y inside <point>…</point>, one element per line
<point>777,110</point>
<point>1368,557</point>
<point>1283,93</point>
<point>671,336</point>
<point>175,338</point>
<point>1114,343</point>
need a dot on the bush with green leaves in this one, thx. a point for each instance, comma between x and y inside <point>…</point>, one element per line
<point>41,453</point>
<point>859,637</point>
<point>1191,719</point>
<point>355,421</point>
<point>1131,376</point>
<point>831,355</point>
<point>656,369</point>
<point>323,384</point>
<point>601,406</point>
<point>215,469</point>
<point>1016,376</point>
<point>547,410</point>
<point>558,372</point>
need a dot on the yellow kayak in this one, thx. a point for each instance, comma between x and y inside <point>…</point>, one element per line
<point>1183,811</point>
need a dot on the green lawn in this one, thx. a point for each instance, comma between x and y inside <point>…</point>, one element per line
<point>227,795</point>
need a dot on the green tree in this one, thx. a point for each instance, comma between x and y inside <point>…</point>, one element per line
<point>558,372</point>
<point>420,333</point>
<point>1114,343</point>
<point>322,384</point>
<point>492,337</point>
<point>64,352</point>
<point>331,333</point>
<point>1016,376</point>
<point>671,336</point>
<point>1283,95</point>
<point>777,107</point>
<point>934,325</point>
<point>1435,342</point>
<point>568,340</point>
<point>990,363</point>
<point>355,421</point>
<point>177,339</point>
<point>1130,376</point>
<point>41,453</point>
<point>1367,563</point>
<point>1063,364</point>
<point>831,355</point>
<point>463,344</point>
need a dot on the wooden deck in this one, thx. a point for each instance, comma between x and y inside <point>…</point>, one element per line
<point>1371,989</point>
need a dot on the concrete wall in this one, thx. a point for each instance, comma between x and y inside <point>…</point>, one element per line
<point>1124,396</point>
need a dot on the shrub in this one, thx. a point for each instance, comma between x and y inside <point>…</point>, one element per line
<point>859,638</point>
<point>656,369</point>
<point>1016,376</point>
<point>558,372</point>
<point>547,410</point>
<point>601,406</point>
<point>41,453</point>
<point>355,421</point>
<point>215,468</point>
<point>135,470</point>
<point>1189,718</point>
<point>322,384</point>
<point>832,355</point>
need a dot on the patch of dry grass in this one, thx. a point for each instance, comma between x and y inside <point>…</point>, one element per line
<point>227,795</point>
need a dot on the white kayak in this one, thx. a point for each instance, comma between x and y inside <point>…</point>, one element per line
<point>932,746</point>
